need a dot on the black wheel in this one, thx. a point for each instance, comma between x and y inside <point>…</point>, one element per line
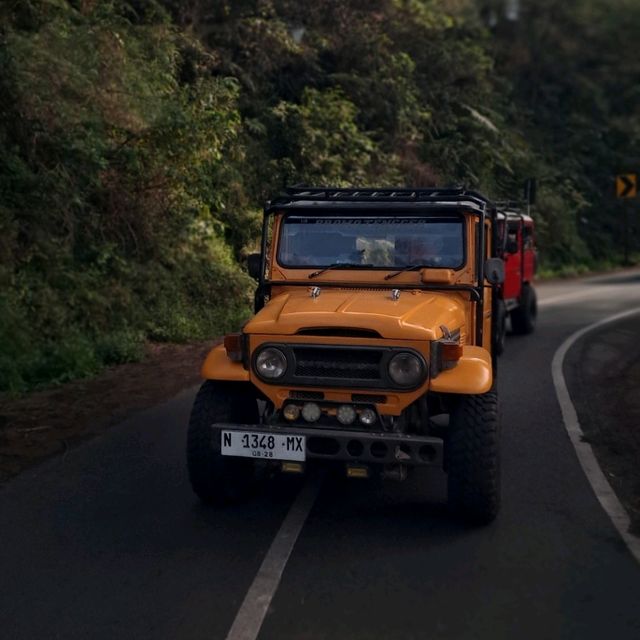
<point>500,328</point>
<point>472,459</point>
<point>217,479</point>
<point>523,318</point>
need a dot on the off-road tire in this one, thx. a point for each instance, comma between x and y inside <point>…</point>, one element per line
<point>472,459</point>
<point>523,318</point>
<point>500,327</point>
<point>218,479</point>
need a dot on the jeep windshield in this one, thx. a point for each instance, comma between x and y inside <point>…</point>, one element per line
<point>371,241</point>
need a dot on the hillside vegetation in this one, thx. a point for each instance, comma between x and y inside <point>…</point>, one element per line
<point>139,139</point>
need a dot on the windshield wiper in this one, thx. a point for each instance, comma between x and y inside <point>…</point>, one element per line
<point>339,265</point>
<point>412,267</point>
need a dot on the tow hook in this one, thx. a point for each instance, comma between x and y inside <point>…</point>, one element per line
<point>396,472</point>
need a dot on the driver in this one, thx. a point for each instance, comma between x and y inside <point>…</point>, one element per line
<point>423,250</point>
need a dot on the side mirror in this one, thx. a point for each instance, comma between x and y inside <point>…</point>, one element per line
<point>494,271</point>
<point>512,246</point>
<point>253,265</point>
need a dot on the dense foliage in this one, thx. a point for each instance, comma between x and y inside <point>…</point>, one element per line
<point>138,139</point>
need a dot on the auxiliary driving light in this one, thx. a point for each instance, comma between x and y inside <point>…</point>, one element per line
<point>311,411</point>
<point>291,412</point>
<point>346,414</point>
<point>368,416</point>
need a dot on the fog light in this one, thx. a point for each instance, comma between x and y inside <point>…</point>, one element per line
<point>346,414</point>
<point>291,467</point>
<point>311,411</point>
<point>368,416</point>
<point>291,412</point>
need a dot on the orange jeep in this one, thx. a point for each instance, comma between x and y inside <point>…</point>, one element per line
<point>371,347</point>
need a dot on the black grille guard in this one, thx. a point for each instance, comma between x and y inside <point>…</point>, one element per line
<point>352,446</point>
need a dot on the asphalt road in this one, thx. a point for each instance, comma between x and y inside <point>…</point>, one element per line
<point>109,542</point>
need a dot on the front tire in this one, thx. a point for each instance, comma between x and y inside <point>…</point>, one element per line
<point>472,458</point>
<point>500,327</point>
<point>217,479</point>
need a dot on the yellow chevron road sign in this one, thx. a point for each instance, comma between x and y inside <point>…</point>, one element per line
<point>627,185</point>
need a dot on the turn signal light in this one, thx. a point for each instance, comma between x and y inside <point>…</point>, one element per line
<point>450,352</point>
<point>357,472</point>
<point>233,346</point>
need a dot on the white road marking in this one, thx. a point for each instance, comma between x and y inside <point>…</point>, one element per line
<point>255,605</point>
<point>599,483</point>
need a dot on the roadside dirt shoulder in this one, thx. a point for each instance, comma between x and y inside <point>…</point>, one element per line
<point>605,385</point>
<point>44,423</point>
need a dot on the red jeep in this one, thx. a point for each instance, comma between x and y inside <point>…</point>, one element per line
<point>517,297</point>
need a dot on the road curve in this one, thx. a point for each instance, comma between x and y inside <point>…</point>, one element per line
<point>109,542</point>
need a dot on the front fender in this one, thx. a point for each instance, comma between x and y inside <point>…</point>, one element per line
<point>471,376</point>
<point>218,366</point>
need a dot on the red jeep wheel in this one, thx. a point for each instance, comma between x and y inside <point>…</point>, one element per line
<point>523,319</point>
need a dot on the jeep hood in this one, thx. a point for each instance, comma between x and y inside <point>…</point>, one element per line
<point>415,315</point>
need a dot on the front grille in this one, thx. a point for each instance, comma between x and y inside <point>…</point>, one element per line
<point>337,363</point>
<point>332,365</point>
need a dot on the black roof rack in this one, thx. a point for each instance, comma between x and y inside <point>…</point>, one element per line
<point>303,196</point>
<point>511,204</point>
<point>513,208</point>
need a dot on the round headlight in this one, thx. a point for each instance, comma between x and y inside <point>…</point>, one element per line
<point>406,369</point>
<point>271,363</point>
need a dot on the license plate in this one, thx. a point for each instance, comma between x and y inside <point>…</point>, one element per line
<point>265,446</point>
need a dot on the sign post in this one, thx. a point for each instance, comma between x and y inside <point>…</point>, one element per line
<point>626,188</point>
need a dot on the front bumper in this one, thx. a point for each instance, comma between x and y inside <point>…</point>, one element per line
<point>353,446</point>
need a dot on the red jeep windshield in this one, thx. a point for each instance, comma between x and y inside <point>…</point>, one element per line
<point>371,241</point>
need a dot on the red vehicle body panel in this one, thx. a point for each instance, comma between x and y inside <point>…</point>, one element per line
<point>520,265</point>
